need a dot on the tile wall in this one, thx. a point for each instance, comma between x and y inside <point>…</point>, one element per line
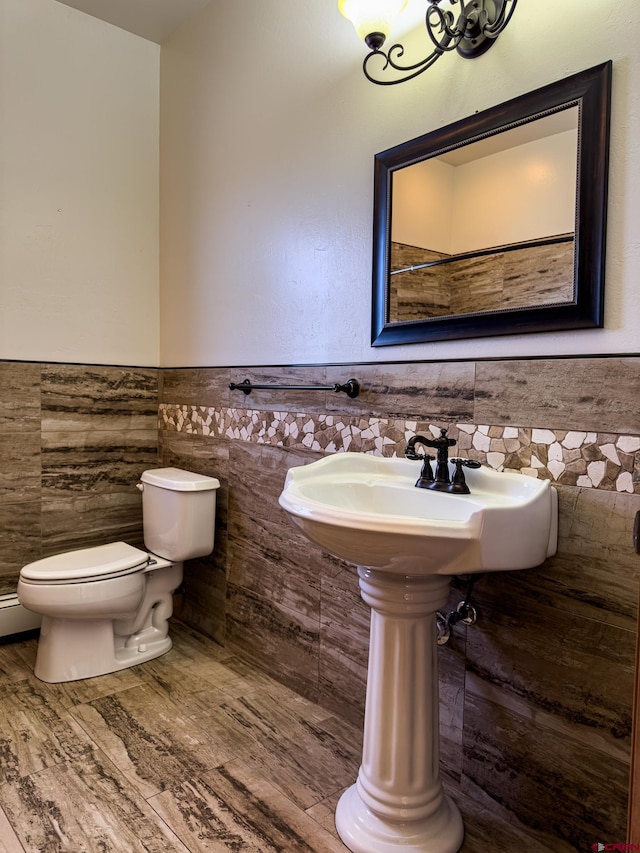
<point>472,284</point>
<point>536,698</point>
<point>73,440</point>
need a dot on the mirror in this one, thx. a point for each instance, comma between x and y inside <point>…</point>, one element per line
<point>495,225</point>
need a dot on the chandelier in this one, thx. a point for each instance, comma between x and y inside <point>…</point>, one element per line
<point>470,28</point>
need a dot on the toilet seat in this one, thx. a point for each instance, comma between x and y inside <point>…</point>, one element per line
<point>102,562</point>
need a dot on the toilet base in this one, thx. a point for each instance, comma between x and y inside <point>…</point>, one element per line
<point>73,649</point>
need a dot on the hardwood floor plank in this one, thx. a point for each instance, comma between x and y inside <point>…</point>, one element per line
<point>13,666</point>
<point>9,842</point>
<point>306,760</point>
<point>36,731</point>
<point>84,807</point>
<point>235,808</point>
<point>150,739</point>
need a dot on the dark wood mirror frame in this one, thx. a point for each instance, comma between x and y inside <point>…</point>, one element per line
<point>590,91</point>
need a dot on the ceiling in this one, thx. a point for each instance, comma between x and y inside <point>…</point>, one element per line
<point>151,19</point>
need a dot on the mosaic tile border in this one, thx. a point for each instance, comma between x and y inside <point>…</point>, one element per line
<point>607,461</point>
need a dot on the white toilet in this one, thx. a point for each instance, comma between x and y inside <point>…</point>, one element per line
<point>107,608</point>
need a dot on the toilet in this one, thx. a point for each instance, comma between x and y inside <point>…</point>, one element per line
<point>107,608</point>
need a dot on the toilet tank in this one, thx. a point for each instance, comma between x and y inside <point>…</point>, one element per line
<point>178,510</point>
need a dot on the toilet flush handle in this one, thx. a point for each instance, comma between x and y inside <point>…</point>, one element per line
<point>140,487</point>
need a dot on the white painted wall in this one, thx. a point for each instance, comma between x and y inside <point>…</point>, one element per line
<point>423,206</point>
<point>268,133</point>
<point>79,160</point>
<point>521,193</point>
<point>516,195</point>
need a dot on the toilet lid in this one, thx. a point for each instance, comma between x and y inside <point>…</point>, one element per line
<point>103,561</point>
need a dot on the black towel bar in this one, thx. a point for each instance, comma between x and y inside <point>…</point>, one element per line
<point>350,388</point>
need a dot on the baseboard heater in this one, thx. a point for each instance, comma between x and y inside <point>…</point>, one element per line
<point>14,619</point>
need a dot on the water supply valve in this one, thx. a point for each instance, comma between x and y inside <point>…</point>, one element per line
<point>464,612</point>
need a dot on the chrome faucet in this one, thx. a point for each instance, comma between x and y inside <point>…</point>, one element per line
<point>442,481</point>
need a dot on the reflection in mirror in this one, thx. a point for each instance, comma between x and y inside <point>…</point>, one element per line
<point>496,224</point>
<point>487,226</point>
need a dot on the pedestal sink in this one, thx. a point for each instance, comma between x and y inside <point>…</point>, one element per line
<point>407,543</point>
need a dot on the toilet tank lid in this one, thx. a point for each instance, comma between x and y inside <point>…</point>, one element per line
<point>178,480</point>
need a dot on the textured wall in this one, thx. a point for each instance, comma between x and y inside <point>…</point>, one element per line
<point>268,145</point>
<point>79,159</point>
<point>537,697</point>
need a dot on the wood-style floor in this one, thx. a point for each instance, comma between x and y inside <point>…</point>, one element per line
<point>192,752</point>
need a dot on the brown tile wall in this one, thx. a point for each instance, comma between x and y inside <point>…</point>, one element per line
<point>503,280</point>
<point>73,441</point>
<point>537,697</point>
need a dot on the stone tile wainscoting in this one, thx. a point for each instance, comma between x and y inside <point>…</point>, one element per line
<point>469,283</point>
<point>73,441</point>
<point>536,699</point>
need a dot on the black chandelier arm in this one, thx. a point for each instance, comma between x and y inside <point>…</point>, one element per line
<point>494,29</point>
<point>390,62</point>
<point>478,25</point>
<point>451,36</point>
<point>397,50</point>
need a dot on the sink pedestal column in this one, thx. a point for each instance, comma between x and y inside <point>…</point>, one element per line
<point>397,803</point>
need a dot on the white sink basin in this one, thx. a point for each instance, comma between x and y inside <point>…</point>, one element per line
<point>368,511</point>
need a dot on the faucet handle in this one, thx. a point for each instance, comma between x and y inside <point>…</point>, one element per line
<point>458,482</point>
<point>467,463</point>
